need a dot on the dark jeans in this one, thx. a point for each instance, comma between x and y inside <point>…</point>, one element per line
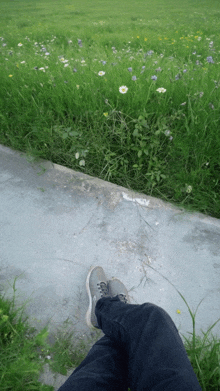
<point>141,349</point>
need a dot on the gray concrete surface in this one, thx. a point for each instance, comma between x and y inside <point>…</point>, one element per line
<point>55,223</point>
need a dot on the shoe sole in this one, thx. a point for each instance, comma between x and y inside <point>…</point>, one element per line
<point>89,311</point>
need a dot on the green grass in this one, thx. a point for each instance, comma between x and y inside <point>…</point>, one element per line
<point>55,105</point>
<point>24,350</point>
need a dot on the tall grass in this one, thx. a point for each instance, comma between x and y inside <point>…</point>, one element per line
<point>62,69</point>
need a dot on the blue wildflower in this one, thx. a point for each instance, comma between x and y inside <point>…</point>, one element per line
<point>154,77</point>
<point>134,78</point>
<point>210,59</point>
<point>130,69</point>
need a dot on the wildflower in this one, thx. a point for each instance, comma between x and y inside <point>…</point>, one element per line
<point>105,114</point>
<point>185,70</point>
<point>145,39</point>
<point>177,77</point>
<point>47,54</point>
<point>70,41</point>
<point>20,44</point>
<point>134,78</point>
<point>210,59</point>
<point>103,62</point>
<point>211,44</point>
<point>4,44</point>
<point>130,69</point>
<point>158,69</point>
<point>77,86</point>
<point>138,36</point>
<point>167,132</point>
<point>22,62</point>
<point>82,163</point>
<point>211,106</point>
<point>189,189</point>
<point>161,90</point>
<point>149,53</point>
<point>74,70</point>
<point>10,75</point>
<point>80,42</point>
<point>83,61</point>
<point>42,69</point>
<point>183,104</point>
<point>77,155</point>
<point>66,65</point>
<point>154,77</point>
<point>123,89</point>
<point>101,73</point>
<point>178,311</point>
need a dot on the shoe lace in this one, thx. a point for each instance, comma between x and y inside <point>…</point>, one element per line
<point>123,298</point>
<point>103,288</point>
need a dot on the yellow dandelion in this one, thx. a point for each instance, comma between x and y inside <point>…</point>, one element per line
<point>178,311</point>
<point>10,75</point>
<point>105,114</point>
<point>145,39</point>
<point>138,36</point>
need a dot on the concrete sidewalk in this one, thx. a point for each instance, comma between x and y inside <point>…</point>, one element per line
<point>55,223</point>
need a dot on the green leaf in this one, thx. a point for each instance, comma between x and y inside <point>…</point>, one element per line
<point>64,135</point>
<point>139,153</point>
<point>73,133</point>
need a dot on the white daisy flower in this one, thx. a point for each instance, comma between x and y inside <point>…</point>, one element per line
<point>161,90</point>
<point>101,73</point>
<point>123,89</point>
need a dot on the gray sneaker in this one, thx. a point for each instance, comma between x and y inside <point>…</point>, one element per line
<point>117,288</point>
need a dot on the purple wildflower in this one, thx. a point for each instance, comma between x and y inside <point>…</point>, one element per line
<point>210,59</point>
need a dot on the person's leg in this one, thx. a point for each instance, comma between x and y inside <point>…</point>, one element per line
<point>157,359</point>
<point>141,349</point>
<point>103,369</point>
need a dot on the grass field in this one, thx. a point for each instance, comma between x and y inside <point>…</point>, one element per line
<point>127,91</point>
<point>124,91</point>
